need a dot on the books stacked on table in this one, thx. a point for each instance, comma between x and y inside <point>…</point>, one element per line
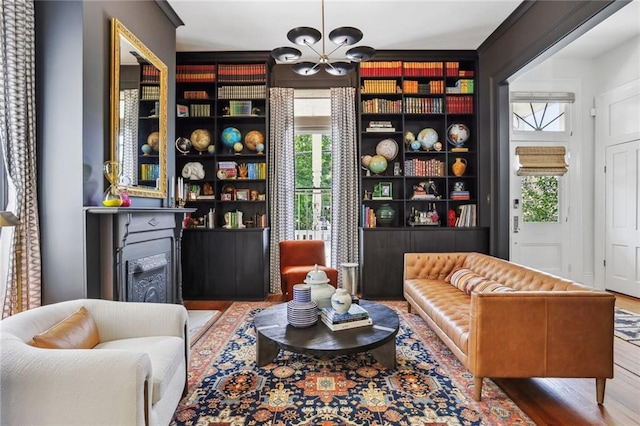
<point>355,317</point>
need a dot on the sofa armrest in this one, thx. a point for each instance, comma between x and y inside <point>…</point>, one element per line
<point>122,320</point>
<point>433,266</point>
<point>73,387</point>
<point>542,334</point>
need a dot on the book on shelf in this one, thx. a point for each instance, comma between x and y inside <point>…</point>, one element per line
<point>346,325</point>
<point>467,217</point>
<point>355,313</point>
<point>380,129</point>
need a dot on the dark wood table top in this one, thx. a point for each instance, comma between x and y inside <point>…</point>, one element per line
<point>319,340</point>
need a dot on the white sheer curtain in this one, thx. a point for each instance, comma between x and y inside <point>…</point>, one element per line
<point>128,154</point>
<point>20,287</point>
<point>281,163</point>
<point>344,192</point>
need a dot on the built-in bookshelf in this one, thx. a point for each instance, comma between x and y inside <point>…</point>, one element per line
<point>408,111</point>
<point>416,203</point>
<point>225,102</point>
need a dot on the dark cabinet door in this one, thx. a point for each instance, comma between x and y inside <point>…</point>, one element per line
<point>382,258</point>
<point>224,264</point>
<point>251,264</point>
<point>432,240</point>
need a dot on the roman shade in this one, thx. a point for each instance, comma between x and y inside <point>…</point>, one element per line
<point>541,161</point>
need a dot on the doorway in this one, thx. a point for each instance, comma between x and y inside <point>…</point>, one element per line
<point>539,203</point>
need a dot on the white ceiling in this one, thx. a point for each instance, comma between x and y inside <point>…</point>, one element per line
<point>239,25</point>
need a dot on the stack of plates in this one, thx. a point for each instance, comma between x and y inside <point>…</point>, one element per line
<point>301,311</point>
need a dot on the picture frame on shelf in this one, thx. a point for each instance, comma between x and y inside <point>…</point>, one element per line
<point>242,195</point>
<point>182,111</point>
<point>383,191</point>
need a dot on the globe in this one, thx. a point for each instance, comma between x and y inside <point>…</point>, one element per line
<point>260,148</point>
<point>146,149</point>
<point>153,140</point>
<point>231,136</point>
<point>237,147</point>
<point>378,164</point>
<point>183,145</point>
<point>458,134</point>
<point>427,138</point>
<point>409,137</point>
<point>366,159</point>
<point>200,139</point>
<point>252,139</point>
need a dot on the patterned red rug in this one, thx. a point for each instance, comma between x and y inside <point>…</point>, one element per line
<point>429,386</point>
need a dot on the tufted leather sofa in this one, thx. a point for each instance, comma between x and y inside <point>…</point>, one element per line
<point>547,327</point>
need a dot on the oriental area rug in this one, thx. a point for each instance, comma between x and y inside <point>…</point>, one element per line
<point>429,385</point>
<point>627,326</point>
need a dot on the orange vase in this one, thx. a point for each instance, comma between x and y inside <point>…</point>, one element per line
<point>459,166</point>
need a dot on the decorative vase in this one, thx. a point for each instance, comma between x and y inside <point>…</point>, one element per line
<point>459,166</point>
<point>385,215</point>
<point>341,301</point>
<point>321,290</point>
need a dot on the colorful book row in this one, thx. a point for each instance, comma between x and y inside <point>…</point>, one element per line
<point>195,73</point>
<point>423,106</point>
<point>149,93</point>
<point>459,104</point>
<point>149,171</point>
<point>242,72</point>
<point>242,92</point>
<point>381,106</point>
<point>379,86</point>
<point>368,217</point>
<point>417,167</point>
<point>434,87</point>
<point>150,74</point>
<point>413,69</point>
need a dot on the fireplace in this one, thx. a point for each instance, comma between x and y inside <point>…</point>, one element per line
<point>138,254</point>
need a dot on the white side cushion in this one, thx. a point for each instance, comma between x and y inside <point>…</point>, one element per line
<point>166,353</point>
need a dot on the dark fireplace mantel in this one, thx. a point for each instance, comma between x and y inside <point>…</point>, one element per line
<point>138,256</point>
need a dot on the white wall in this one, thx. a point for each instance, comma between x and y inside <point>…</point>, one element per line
<point>587,78</point>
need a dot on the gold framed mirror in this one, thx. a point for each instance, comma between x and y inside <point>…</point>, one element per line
<point>138,114</point>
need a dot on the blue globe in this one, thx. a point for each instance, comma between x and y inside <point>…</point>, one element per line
<point>231,136</point>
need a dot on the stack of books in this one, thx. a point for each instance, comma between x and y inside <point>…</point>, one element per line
<point>460,195</point>
<point>355,317</point>
<point>380,126</point>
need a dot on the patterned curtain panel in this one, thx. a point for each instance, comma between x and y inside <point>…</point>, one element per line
<point>128,155</point>
<point>21,287</point>
<point>281,176</point>
<point>344,191</point>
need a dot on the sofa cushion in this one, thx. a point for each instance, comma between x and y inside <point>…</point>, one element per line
<point>166,354</point>
<point>468,281</point>
<point>77,331</point>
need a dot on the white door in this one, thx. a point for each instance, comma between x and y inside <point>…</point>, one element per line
<point>622,217</point>
<point>538,221</point>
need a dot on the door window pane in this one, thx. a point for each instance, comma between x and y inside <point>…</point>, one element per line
<point>540,199</point>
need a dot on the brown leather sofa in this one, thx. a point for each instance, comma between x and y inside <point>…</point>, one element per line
<point>543,326</point>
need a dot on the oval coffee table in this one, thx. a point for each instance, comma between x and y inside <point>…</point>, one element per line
<point>274,333</point>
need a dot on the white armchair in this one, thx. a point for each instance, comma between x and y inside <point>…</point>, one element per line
<point>136,375</point>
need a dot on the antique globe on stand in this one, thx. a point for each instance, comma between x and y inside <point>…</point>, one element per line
<point>458,134</point>
<point>200,139</point>
<point>231,136</point>
<point>378,164</point>
<point>427,138</point>
<point>253,139</point>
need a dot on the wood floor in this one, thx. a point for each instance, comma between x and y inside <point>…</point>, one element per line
<point>563,401</point>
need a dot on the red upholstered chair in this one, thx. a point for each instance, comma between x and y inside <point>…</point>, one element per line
<point>299,257</point>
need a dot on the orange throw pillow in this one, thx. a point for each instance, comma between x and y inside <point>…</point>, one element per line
<point>77,331</point>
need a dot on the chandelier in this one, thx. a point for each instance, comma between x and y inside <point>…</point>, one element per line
<point>307,36</point>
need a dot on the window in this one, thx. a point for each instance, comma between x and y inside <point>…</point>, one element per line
<point>540,115</point>
<point>540,199</point>
<point>312,109</point>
